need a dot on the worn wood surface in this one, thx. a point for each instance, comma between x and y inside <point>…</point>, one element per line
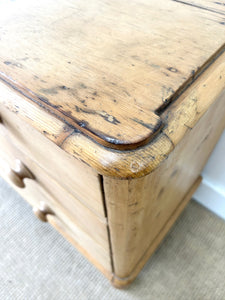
<point>78,212</point>
<point>139,209</point>
<point>76,177</point>
<point>83,243</point>
<point>68,215</point>
<point>126,87</point>
<point>184,113</point>
<point>106,67</point>
<point>123,282</point>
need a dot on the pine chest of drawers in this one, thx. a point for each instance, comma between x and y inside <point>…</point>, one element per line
<point>109,111</point>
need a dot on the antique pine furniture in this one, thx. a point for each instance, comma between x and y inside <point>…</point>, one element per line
<point>109,111</point>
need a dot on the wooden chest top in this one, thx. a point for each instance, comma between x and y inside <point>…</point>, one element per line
<point>109,70</point>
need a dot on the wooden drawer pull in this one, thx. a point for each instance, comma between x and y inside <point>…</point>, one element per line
<point>18,174</point>
<point>42,211</point>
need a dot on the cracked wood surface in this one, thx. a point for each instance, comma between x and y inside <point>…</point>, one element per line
<point>108,68</point>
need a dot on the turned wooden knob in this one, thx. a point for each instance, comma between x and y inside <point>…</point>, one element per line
<point>42,211</point>
<point>18,174</point>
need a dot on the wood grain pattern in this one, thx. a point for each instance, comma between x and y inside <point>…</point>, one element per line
<point>138,209</point>
<point>76,237</point>
<point>74,176</point>
<point>90,237</point>
<point>106,67</point>
<point>119,282</point>
<point>93,92</point>
<point>65,204</point>
<point>195,101</point>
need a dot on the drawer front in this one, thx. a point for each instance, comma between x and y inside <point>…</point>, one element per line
<point>40,191</point>
<point>76,177</point>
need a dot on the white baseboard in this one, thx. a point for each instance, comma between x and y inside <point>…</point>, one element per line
<point>211,192</point>
<point>211,198</point>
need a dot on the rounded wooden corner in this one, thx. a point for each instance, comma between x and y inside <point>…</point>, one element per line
<point>178,119</point>
<point>122,283</point>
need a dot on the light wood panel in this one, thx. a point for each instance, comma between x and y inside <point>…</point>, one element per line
<point>76,177</point>
<point>33,194</point>
<point>194,102</point>
<point>64,202</point>
<point>105,67</point>
<point>122,282</point>
<point>97,258</point>
<point>90,237</point>
<point>139,209</point>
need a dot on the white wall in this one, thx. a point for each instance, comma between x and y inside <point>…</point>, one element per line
<point>211,192</point>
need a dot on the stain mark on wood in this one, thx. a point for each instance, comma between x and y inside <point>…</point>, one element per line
<point>220,3</point>
<point>50,91</point>
<point>154,128</point>
<point>188,127</point>
<point>172,69</point>
<point>24,58</point>
<point>155,66</point>
<point>54,90</point>
<point>194,76</point>
<point>83,124</point>
<point>107,117</point>
<point>15,64</point>
<point>63,87</point>
<point>161,192</point>
<point>174,173</point>
<point>83,86</point>
<point>86,76</point>
<point>200,7</point>
<point>134,204</point>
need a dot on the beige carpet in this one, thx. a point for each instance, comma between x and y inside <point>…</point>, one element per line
<point>36,263</point>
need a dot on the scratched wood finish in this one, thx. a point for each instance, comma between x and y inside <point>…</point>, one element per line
<point>106,67</point>
<point>130,89</point>
<point>77,178</point>
<point>184,113</point>
<point>68,215</point>
<point>123,282</point>
<point>216,7</point>
<point>138,209</point>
